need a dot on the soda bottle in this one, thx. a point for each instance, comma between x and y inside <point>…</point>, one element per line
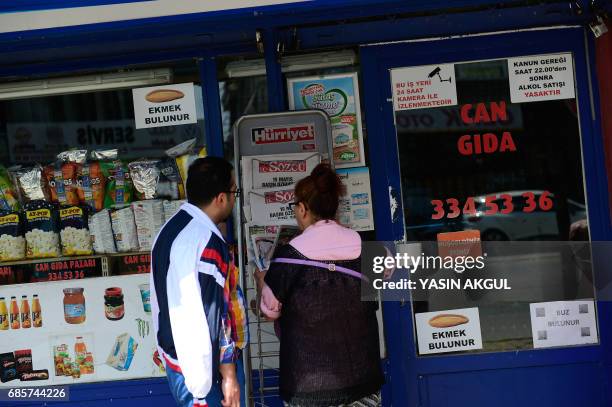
<point>36,312</point>
<point>26,322</point>
<point>14,313</point>
<point>4,318</point>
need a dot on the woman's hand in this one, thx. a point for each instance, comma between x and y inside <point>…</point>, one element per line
<point>259,276</point>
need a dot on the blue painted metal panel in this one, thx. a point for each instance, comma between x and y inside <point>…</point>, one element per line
<point>559,386</point>
<point>376,62</point>
<point>30,5</point>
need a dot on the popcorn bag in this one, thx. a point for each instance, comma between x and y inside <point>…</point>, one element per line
<point>42,239</point>
<point>12,242</point>
<point>75,237</point>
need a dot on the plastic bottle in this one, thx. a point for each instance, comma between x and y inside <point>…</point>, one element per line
<point>4,317</point>
<point>14,314</point>
<point>26,322</point>
<point>36,312</point>
<point>80,350</point>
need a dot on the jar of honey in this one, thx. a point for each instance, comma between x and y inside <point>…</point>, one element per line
<point>74,305</point>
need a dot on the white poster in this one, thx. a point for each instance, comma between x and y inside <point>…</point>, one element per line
<point>563,323</point>
<point>271,206</point>
<point>448,331</point>
<point>541,77</point>
<point>355,209</point>
<point>165,105</point>
<point>277,170</point>
<point>78,331</point>
<point>422,87</point>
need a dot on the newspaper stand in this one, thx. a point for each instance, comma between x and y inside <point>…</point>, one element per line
<point>306,131</point>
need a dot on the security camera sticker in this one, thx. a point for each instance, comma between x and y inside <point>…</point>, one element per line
<point>424,87</point>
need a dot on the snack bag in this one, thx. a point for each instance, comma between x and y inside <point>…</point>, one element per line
<point>74,234</point>
<point>122,352</point>
<point>145,177</point>
<point>119,187</point>
<point>124,229</point>
<point>184,154</point>
<point>30,184</point>
<point>42,239</point>
<point>12,242</point>
<point>149,218</point>
<point>102,232</point>
<point>170,185</point>
<point>92,186</point>
<point>8,196</point>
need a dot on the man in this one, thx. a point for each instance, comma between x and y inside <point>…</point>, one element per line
<point>191,302</point>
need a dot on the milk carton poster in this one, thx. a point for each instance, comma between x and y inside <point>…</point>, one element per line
<point>338,96</point>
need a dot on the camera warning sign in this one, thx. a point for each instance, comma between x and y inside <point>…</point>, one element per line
<point>423,87</point>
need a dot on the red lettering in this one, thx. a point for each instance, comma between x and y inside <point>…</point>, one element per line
<point>495,112</point>
<point>482,115</point>
<point>498,111</point>
<point>464,145</point>
<point>465,117</point>
<point>489,143</point>
<point>507,143</point>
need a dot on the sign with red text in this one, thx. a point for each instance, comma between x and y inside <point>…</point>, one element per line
<point>271,206</point>
<point>423,87</point>
<point>541,77</point>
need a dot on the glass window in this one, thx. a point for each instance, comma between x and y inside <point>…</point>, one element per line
<point>35,129</point>
<point>517,180</point>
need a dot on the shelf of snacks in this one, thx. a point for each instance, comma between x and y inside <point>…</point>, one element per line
<point>88,214</point>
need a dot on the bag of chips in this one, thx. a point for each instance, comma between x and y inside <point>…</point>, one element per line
<point>124,230</point>
<point>149,218</point>
<point>119,187</point>
<point>30,184</point>
<point>102,232</point>
<point>42,239</point>
<point>74,234</point>
<point>92,186</point>
<point>8,196</point>
<point>184,154</point>
<point>145,177</point>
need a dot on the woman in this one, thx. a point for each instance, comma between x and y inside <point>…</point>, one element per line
<point>329,351</point>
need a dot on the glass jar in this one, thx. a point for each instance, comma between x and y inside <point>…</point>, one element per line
<point>74,305</point>
<point>114,308</point>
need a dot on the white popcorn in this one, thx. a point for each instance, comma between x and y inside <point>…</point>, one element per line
<point>42,244</point>
<point>75,242</point>
<point>12,247</point>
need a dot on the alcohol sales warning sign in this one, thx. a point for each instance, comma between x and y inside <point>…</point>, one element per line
<point>423,87</point>
<point>541,77</point>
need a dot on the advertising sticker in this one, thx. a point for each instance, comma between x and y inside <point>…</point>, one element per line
<point>448,331</point>
<point>355,209</point>
<point>277,170</point>
<point>563,323</point>
<point>423,87</point>
<point>166,105</point>
<point>338,96</point>
<point>541,77</point>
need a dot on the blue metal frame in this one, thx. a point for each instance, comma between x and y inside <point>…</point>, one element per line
<point>376,62</point>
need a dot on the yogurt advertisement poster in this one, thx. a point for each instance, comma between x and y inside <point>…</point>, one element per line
<point>338,96</point>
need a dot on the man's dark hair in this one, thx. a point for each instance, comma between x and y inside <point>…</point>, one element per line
<point>208,177</point>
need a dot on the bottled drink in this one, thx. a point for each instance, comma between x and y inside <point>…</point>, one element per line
<point>26,322</point>
<point>14,313</point>
<point>4,317</point>
<point>36,312</point>
<point>80,350</point>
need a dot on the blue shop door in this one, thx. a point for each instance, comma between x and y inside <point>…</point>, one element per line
<point>496,134</point>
